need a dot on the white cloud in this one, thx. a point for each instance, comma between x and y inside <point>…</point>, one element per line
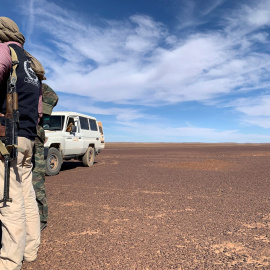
<point>85,105</point>
<point>261,121</point>
<point>125,62</point>
<point>256,106</point>
<point>193,13</point>
<point>145,36</point>
<point>259,16</point>
<point>31,18</point>
<point>255,110</point>
<point>184,134</point>
<point>248,18</point>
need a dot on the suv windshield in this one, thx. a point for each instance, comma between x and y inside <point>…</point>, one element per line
<point>53,122</point>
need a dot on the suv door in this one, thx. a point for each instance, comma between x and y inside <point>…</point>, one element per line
<point>73,140</point>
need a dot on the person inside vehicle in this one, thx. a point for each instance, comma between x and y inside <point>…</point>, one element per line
<point>70,124</point>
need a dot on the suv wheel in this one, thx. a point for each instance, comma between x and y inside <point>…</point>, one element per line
<point>89,157</point>
<point>53,162</point>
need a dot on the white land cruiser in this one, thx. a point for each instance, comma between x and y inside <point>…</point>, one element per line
<point>70,135</point>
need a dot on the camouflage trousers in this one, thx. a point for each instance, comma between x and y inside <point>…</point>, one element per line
<point>39,178</point>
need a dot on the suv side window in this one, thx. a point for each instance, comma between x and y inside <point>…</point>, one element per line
<point>93,124</point>
<point>84,123</point>
<point>100,129</point>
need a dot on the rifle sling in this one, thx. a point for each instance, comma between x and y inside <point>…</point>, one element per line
<point>15,62</point>
<point>3,149</point>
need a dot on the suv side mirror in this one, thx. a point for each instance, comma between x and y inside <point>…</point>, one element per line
<point>73,129</point>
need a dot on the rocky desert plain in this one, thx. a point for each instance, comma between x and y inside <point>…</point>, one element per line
<point>145,206</point>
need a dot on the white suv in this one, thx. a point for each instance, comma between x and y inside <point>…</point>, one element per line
<point>70,135</point>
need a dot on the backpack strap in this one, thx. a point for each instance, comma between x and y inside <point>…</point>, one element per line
<point>6,149</point>
<point>15,62</point>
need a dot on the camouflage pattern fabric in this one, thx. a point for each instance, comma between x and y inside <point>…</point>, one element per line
<point>39,174</point>
<point>49,99</point>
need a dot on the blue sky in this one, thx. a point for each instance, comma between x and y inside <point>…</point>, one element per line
<point>156,70</point>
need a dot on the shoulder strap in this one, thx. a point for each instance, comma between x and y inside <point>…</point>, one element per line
<point>15,63</point>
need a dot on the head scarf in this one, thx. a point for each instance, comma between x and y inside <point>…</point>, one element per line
<point>9,31</point>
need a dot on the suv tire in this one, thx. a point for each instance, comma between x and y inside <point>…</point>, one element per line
<point>53,162</point>
<point>89,157</point>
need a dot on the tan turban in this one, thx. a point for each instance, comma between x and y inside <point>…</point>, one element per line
<point>9,31</point>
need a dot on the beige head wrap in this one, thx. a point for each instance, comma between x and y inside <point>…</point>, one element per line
<point>9,31</point>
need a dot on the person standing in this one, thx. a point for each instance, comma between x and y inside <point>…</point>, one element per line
<point>20,219</point>
<point>49,100</point>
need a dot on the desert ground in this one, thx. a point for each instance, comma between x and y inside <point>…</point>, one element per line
<point>160,206</point>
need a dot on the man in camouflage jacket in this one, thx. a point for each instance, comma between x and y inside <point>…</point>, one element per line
<point>49,100</point>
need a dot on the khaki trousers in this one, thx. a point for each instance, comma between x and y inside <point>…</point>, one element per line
<point>20,219</point>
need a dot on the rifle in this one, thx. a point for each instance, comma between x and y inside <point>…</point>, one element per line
<point>9,132</point>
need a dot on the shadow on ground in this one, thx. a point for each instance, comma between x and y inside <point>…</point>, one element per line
<point>70,165</point>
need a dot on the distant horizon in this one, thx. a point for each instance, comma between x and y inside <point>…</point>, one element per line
<point>182,143</point>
